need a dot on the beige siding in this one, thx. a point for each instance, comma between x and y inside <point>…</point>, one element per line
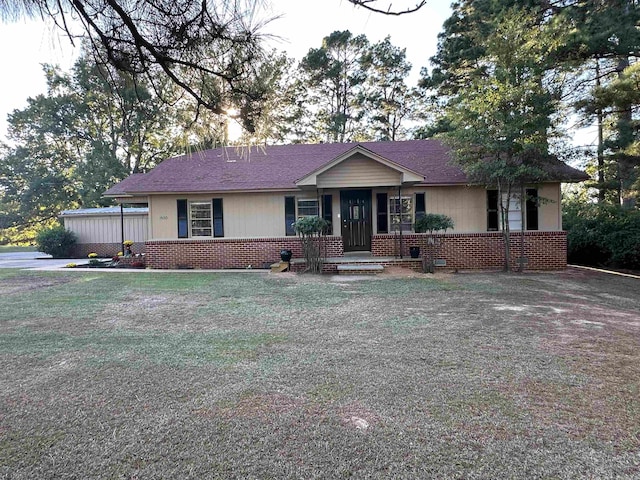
<point>106,228</point>
<point>465,205</point>
<point>550,212</point>
<point>244,215</point>
<point>255,215</point>
<point>358,171</point>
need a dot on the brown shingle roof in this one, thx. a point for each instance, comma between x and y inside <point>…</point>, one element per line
<point>278,167</point>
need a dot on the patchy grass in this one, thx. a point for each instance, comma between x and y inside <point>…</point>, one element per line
<point>198,375</point>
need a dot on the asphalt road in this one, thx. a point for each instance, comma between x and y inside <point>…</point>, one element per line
<point>31,261</point>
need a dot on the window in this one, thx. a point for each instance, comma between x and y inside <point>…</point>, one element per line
<point>381,213</point>
<point>183,219</point>
<point>513,211</point>
<point>531,209</point>
<point>201,219</point>
<point>493,223</point>
<point>289,215</point>
<point>400,212</point>
<point>420,206</point>
<point>218,221</point>
<point>327,213</point>
<point>308,208</point>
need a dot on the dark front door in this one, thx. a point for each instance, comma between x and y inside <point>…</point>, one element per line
<point>355,212</point>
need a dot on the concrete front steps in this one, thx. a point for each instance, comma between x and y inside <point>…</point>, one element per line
<point>364,269</point>
<point>360,263</point>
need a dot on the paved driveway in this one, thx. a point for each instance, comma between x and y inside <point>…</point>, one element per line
<point>31,260</point>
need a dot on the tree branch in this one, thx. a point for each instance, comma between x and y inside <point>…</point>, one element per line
<point>369,5</point>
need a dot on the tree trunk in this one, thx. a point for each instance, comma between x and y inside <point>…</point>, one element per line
<point>601,187</point>
<point>504,217</point>
<point>523,203</point>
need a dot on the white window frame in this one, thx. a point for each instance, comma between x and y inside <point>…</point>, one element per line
<point>305,207</point>
<point>203,219</point>
<point>406,218</point>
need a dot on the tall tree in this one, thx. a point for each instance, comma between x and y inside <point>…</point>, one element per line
<point>500,121</point>
<point>91,129</point>
<point>606,38</point>
<point>335,77</point>
<point>169,39</point>
<point>386,98</point>
<point>173,39</point>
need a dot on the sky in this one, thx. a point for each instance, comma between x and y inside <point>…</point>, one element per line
<point>26,44</point>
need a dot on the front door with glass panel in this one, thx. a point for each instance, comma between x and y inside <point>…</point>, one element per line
<point>355,213</point>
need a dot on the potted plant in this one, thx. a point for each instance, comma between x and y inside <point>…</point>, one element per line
<point>286,255</point>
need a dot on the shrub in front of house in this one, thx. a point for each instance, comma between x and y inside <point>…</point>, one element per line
<point>56,241</point>
<point>433,222</point>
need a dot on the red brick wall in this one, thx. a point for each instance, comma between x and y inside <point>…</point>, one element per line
<point>544,250</point>
<point>81,250</point>
<point>228,253</point>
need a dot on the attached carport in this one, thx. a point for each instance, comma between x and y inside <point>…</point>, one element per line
<point>102,230</point>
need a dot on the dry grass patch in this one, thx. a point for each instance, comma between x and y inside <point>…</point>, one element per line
<point>199,375</point>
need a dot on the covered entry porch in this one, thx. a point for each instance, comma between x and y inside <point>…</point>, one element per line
<point>361,194</point>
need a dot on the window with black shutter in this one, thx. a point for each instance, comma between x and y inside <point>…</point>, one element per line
<point>532,209</point>
<point>381,213</point>
<point>420,206</point>
<point>492,210</point>
<point>289,215</point>
<point>327,212</point>
<point>183,219</point>
<point>218,219</point>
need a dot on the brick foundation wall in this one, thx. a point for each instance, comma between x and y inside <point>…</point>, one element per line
<point>544,250</point>
<point>81,250</point>
<point>218,253</point>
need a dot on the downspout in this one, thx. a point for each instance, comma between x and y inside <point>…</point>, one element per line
<point>400,218</point>
<point>122,227</point>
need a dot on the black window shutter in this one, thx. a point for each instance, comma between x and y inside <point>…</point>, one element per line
<point>183,219</point>
<point>420,206</point>
<point>327,212</point>
<point>492,210</point>
<point>381,213</point>
<point>289,214</point>
<point>218,219</point>
<point>532,209</point>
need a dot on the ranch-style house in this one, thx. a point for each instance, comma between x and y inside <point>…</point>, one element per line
<point>234,208</point>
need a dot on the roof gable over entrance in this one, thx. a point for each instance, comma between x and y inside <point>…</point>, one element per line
<point>359,167</point>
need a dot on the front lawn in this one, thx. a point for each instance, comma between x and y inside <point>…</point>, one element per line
<point>203,375</point>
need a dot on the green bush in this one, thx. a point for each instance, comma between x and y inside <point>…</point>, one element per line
<point>56,241</point>
<point>310,226</point>
<point>311,230</point>
<point>602,235</point>
<point>433,222</point>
